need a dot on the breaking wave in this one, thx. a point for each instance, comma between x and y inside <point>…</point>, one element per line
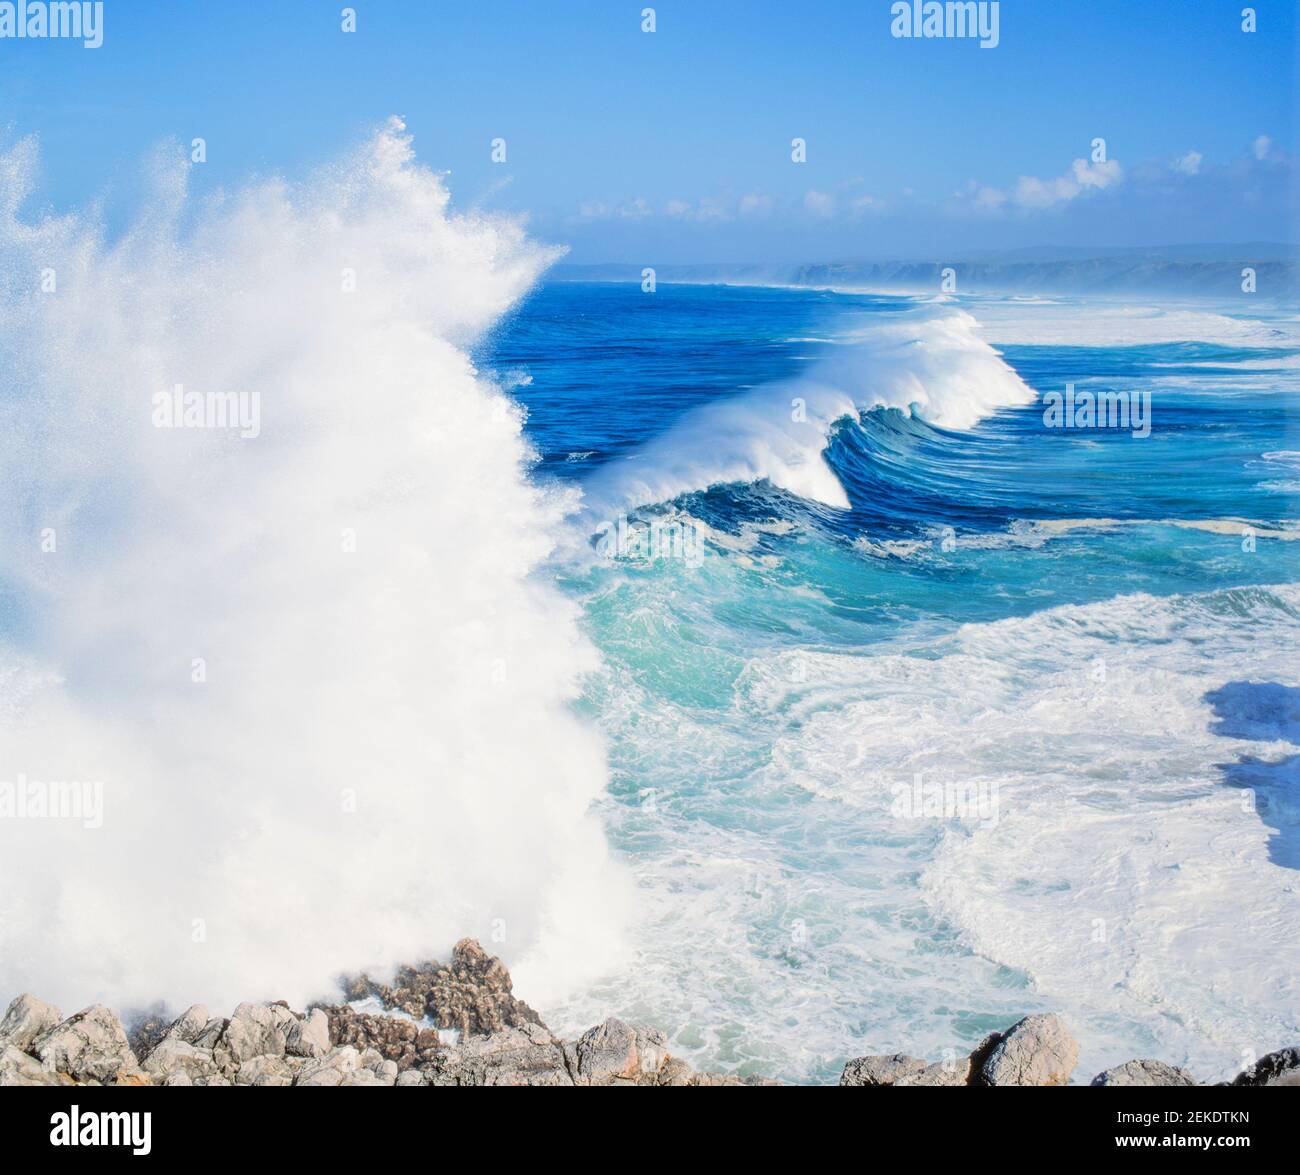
<point>325,696</point>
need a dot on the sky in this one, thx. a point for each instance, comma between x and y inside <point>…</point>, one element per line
<point>676,145</point>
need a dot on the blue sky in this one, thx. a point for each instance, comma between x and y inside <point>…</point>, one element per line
<point>674,146</point>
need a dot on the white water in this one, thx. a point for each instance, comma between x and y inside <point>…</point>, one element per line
<point>381,758</point>
<point>930,360</point>
<point>1131,881</point>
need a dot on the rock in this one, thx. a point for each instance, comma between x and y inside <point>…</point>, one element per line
<point>395,1038</point>
<point>529,1055</point>
<point>331,1069</point>
<point>729,1079</point>
<point>172,1056</point>
<point>309,1037</point>
<point>1144,1072</point>
<point>675,1071</point>
<point>17,1068</point>
<point>192,1024</point>
<point>616,1051</point>
<point>410,1077</point>
<point>473,994</point>
<point>1281,1068</point>
<point>957,1071</point>
<point>880,1070</point>
<point>709,1080</point>
<point>25,1020</point>
<point>372,1070</point>
<point>91,1045</point>
<point>267,1070</point>
<point>145,1029</point>
<point>212,1032</point>
<point>254,1030</point>
<point>1038,1050</point>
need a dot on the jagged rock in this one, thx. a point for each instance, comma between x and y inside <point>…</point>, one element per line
<point>708,1080</point>
<point>473,994</point>
<point>410,1077</point>
<point>372,1069</point>
<point>25,1019</point>
<point>268,1070</point>
<point>172,1056</point>
<point>957,1071</point>
<point>17,1068</point>
<point>1038,1050</point>
<point>675,1071</point>
<point>1279,1068</point>
<point>190,1025</point>
<point>619,1052</point>
<point>880,1070</point>
<point>310,1036</point>
<point>91,1045</point>
<point>396,1038</point>
<point>330,1069</point>
<point>529,1055</point>
<point>212,1032</point>
<point>254,1030</point>
<point>728,1079</point>
<point>1144,1072</point>
<point>145,1029</point>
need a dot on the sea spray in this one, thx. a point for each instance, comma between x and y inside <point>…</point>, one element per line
<point>326,696</point>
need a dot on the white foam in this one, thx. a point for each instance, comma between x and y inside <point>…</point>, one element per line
<point>381,758</point>
<point>1121,875</point>
<point>931,361</point>
<point>1109,324</point>
<point>788,919</point>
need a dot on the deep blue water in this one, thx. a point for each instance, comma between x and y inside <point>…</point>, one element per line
<point>1041,612</point>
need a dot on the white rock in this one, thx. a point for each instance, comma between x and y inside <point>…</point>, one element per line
<point>330,1069</point>
<point>172,1055</point>
<point>17,1068</point>
<point>25,1020</point>
<point>309,1037</point>
<point>90,1046</point>
<point>1038,1050</point>
<point>1144,1072</point>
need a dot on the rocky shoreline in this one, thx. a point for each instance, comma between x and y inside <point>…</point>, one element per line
<point>461,1024</point>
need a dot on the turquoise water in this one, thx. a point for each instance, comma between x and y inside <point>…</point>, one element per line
<point>1089,630</point>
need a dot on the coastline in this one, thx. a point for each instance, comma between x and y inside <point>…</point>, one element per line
<point>461,1024</point>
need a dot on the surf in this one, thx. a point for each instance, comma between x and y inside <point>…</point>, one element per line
<point>928,360</point>
<point>326,693</point>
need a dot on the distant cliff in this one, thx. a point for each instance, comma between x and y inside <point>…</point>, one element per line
<point>1189,271</point>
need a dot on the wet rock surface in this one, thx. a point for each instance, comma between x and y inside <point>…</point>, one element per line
<point>461,1024</point>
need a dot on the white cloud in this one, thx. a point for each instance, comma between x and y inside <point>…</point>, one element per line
<point>819,203</point>
<point>1031,192</point>
<point>754,204</point>
<point>1261,146</point>
<point>1189,164</point>
<point>636,209</point>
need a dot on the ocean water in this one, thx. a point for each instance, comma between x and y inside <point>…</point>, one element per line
<point>916,586</point>
<point>924,716</point>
